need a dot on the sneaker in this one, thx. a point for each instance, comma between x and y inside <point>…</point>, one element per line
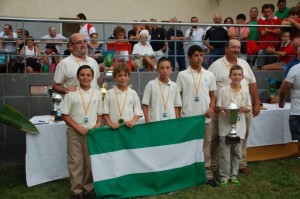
<point>212,183</point>
<point>235,182</point>
<point>224,183</point>
<point>245,170</point>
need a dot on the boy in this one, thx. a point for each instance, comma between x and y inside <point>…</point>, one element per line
<point>231,154</point>
<point>197,87</point>
<point>161,99</point>
<point>121,104</point>
<point>81,110</point>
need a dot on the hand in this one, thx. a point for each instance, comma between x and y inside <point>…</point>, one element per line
<point>130,123</point>
<point>244,110</point>
<point>82,130</point>
<point>71,89</point>
<point>191,32</point>
<point>223,112</point>
<point>172,38</point>
<point>114,125</point>
<point>281,105</point>
<point>255,110</point>
<point>275,100</point>
<point>210,112</point>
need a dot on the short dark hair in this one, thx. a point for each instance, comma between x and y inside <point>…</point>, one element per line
<point>84,67</point>
<point>162,60</point>
<point>235,67</point>
<point>81,16</point>
<point>294,11</point>
<point>227,19</point>
<point>281,1</point>
<point>241,16</point>
<point>272,7</point>
<point>9,26</point>
<point>265,6</point>
<point>194,18</point>
<point>193,49</point>
<point>121,67</point>
<point>94,33</point>
<point>119,29</point>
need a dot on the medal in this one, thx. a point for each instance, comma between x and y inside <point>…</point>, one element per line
<point>121,121</point>
<point>196,99</point>
<point>196,85</point>
<point>85,120</point>
<point>165,101</point>
<point>164,115</point>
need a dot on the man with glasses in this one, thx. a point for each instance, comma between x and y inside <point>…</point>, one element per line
<point>65,79</point>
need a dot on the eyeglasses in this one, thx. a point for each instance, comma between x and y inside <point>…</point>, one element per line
<point>80,42</point>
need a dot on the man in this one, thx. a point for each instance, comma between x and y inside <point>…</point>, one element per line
<point>194,36</point>
<point>8,35</point>
<point>175,39</point>
<point>133,34</point>
<point>282,11</point>
<point>292,84</point>
<point>85,28</point>
<point>65,78</point>
<point>53,37</point>
<point>220,69</point>
<point>158,40</point>
<point>217,36</point>
<point>268,36</point>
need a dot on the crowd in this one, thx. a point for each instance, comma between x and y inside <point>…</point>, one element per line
<point>266,48</point>
<point>219,72</point>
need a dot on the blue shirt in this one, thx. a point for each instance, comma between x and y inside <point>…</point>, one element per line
<point>291,64</point>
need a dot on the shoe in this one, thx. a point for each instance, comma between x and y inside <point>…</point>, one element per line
<point>235,182</point>
<point>75,197</point>
<point>212,183</point>
<point>224,183</point>
<point>245,170</point>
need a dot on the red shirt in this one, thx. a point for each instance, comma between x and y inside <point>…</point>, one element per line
<point>268,40</point>
<point>290,53</point>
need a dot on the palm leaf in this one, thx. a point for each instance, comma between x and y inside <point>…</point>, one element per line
<point>11,117</point>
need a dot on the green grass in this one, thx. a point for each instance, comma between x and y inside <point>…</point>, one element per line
<point>271,179</point>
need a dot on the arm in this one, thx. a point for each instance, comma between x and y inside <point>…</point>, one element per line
<point>177,112</point>
<point>146,113</point>
<point>110,123</point>
<point>284,89</point>
<point>255,96</point>
<point>99,121</point>
<point>274,52</point>
<point>58,88</point>
<point>212,105</point>
<point>132,122</point>
<point>70,122</point>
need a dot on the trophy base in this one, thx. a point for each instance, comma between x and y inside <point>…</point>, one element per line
<point>58,118</point>
<point>232,140</point>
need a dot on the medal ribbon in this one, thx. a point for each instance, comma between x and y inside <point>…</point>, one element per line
<point>121,110</point>
<point>235,96</point>
<point>83,104</point>
<point>196,86</point>
<point>163,97</point>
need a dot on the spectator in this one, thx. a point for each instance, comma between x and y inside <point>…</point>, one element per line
<point>22,34</point>
<point>53,37</point>
<point>282,11</point>
<point>95,49</point>
<point>285,53</point>
<point>158,40</point>
<point>217,36</point>
<point>175,40</point>
<point>228,20</point>
<point>31,55</point>
<point>9,37</point>
<point>133,34</point>
<point>143,53</point>
<point>268,36</point>
<point>85,28</point>
<point>294,21</point>
<point>50,59</point>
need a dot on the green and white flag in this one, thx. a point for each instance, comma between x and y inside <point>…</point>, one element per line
<point>149,159</point>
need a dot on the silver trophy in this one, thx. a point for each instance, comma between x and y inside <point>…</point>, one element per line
<point>55,100</point>
<point>233,112</point>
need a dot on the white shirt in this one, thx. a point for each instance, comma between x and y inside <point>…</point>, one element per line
<point>153,98</point>
<point>57,37</point>
<point>293,77</point>
<point>10,46</point>
<point>186,86</point>
<point>139,49</point>
<point>242,98</point>
<point>220,68</point>
<point>132,105</point>
<point>72,106</point>
<point>83,30</point>
<point>66,71</point>
<point>196,38</point>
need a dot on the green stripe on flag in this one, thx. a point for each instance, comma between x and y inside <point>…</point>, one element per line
<point>146,135</point>
<point>143,184</point>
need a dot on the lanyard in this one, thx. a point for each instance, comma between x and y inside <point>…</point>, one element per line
<point>196,86</point>
<point>77,60</point>
<point>163,97</point>
<point>235,96</point>
<point>121,110</point>
<point>83,104</point>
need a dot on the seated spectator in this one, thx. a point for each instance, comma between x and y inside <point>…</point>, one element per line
<point>146,28</point>
<point>50,59</point>
<point>158,40</point>
<point>143,53</point>
<point>133,33</point>
<point>282,11</point>
<point>9,36</point>
<point>67,52</point>
<point>2,60</point>
<point>240,33</point>
<point>285,53</point>
<point>53,37</point>
<point>21,35</point>
<point>294,21</point>
<point>31,55</point>
<point>95,50</point>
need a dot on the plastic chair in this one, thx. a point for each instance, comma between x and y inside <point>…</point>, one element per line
<point>122,46</point>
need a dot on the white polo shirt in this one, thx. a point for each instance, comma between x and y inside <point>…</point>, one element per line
<point>186,85</point>
<point>132,105</point>
<point>152,97</point>
<point>72,106</point>
<point>66,71</point>
<point>83,30</point>
<point>139,49</point>
<point>293,77</point>
<point>242,98</point>
<point>220,68</point>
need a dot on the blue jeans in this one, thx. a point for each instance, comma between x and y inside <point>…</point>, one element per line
<point>265,58</point>
<point>215,54</point>
<point>180,57</point>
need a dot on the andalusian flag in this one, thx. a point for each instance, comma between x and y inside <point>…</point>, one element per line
<point>148,159</point>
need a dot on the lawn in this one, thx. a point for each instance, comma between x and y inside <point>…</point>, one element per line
<point>271,179</point>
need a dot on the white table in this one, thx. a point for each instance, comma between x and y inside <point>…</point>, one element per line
<point>46,156</point>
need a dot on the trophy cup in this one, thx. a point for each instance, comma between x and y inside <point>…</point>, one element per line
<point>55,100</point>
<point>108,61</point>
<point>233,111</point>
<point>103,90</point>
<point>273,86</point>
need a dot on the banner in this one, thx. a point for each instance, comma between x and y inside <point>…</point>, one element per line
<point>149,159</point>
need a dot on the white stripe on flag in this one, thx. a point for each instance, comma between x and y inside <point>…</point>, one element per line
<point>143,160</point>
